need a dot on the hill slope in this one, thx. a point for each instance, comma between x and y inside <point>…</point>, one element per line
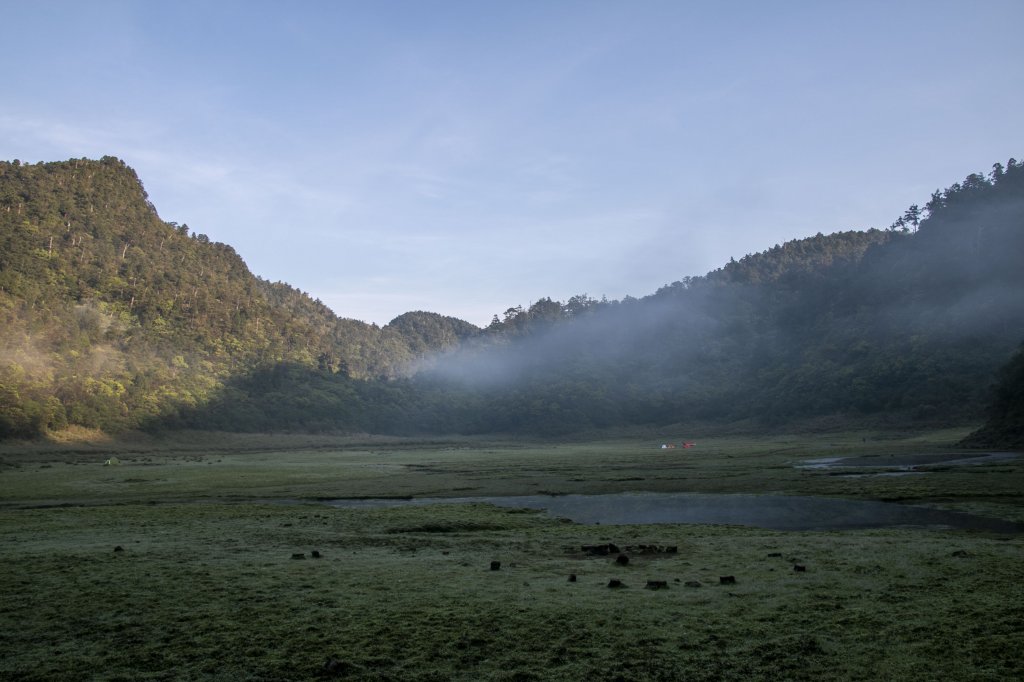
<point>907,324</point>
<point>1005,425</point>
<point>113,319</point>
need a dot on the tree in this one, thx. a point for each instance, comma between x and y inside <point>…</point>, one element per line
<point>912,216</point>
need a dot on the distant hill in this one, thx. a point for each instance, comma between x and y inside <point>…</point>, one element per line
<point>113,319</point>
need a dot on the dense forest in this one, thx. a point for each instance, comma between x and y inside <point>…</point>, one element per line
<point>113,319</point>
<point>1005,424</point>
<point>903,325</point>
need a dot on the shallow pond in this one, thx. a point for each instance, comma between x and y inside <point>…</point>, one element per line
<point>775,512</point>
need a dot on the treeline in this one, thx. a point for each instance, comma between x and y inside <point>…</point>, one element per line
<point>114,319</point>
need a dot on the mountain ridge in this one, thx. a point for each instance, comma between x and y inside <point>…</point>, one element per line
<point>114,319</point>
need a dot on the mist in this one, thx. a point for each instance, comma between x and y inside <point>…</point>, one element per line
<point>611,335</point>
<point>895,322</point>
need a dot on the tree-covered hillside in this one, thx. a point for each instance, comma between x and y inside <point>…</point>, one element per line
<point>1005,425</point>
<point>906,324</point>
<point>114,319</point>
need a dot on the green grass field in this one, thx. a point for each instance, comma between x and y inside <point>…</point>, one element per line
<point>205,586</point>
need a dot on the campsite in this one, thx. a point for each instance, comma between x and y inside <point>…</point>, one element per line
<point>212,557</point>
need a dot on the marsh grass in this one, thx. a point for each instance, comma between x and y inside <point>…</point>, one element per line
<point>212,592</point>
<point>205,587</point>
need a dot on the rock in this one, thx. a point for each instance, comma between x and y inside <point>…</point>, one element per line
<point>692,583</point>
<point>119,548</point>
<point>495,565</point>
<point>656,585</point>
<point>961,554</point>
<point>622,560</point>
<point>775,555</point>
<point>315,554</point>
<point>298,555</point>
<point>572,577</point>
<point>727,580</point>
<point>799,568</point>
<point>615,582</point>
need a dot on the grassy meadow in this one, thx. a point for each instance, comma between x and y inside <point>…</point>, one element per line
<point>207,585</point>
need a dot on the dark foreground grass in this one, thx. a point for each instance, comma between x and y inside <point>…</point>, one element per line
<point>211,592</point>
<point>205,586</point>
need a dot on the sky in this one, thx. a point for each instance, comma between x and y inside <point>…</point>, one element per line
<point>467,157</point>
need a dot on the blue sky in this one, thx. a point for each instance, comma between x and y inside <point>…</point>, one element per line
<point>465,157</point>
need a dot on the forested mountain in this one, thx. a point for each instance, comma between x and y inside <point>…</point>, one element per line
<point>903,325</point>
<point>113,319</point>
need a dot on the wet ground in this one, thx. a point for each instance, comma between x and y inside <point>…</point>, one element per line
<point>775,512</point>
<point>907,462</point>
